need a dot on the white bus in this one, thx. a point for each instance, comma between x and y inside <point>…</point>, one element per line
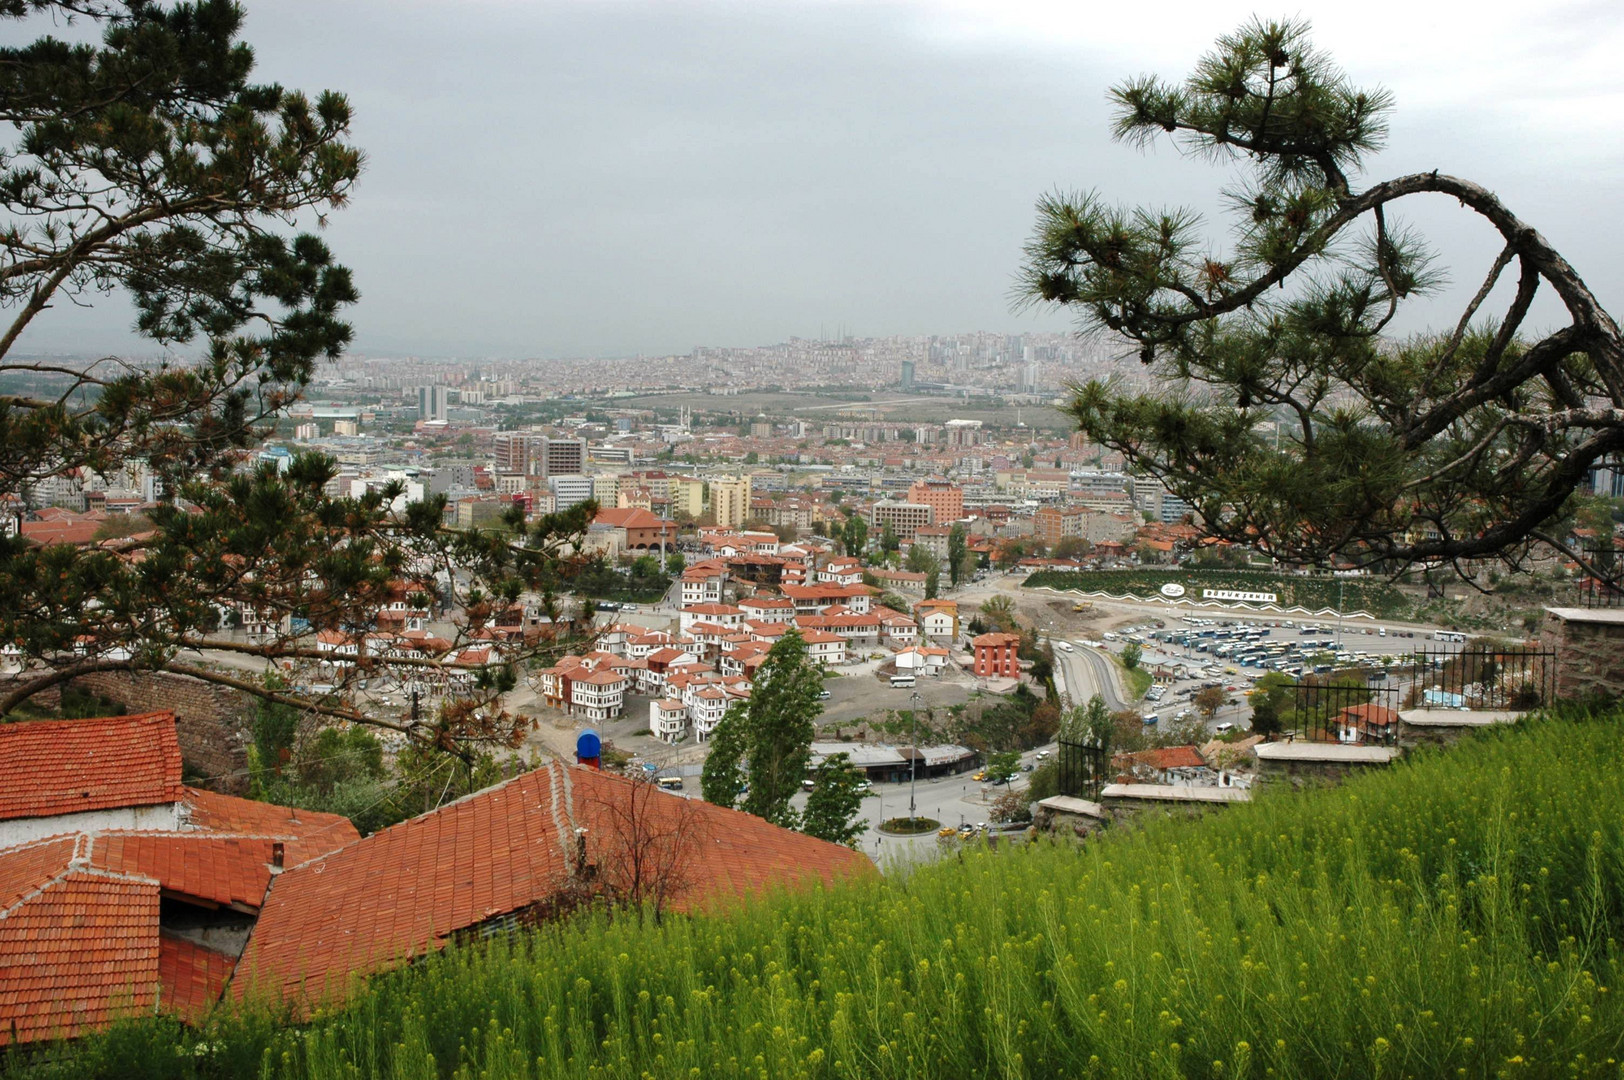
<point>902,680</point>
<point>1448,635</point>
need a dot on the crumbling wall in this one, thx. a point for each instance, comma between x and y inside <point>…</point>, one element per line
<point>211,721</point>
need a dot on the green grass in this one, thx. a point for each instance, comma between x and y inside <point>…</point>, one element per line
<point>1456,915</point>
<point>1355,594</point>
<point>1139,680</point>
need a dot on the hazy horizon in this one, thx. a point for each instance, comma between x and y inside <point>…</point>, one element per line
<point>638,178</point>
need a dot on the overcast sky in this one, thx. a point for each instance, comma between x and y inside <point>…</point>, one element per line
<point>577,179</point>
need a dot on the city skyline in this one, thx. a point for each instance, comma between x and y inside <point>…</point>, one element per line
<point>576,180</point>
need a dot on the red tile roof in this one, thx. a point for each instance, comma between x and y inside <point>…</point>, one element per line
<point>190,977</point>
<point>233,871</point>
<point>320,832</point>
<point>100,764</point>
<point>403,891</point>
<point>78,948</point>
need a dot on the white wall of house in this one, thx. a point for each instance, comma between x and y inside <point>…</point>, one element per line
<point>18,831</point>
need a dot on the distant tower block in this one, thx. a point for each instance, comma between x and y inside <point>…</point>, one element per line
<point>907,374</point>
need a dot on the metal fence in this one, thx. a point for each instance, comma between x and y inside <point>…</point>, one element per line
<point>1361,705</point>
<point>1082,769</point>
<point>1346,707</point>
<point>1606,589</point>
<point>1482,676</point>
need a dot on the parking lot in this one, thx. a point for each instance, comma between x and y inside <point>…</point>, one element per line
<point>1191,652</point>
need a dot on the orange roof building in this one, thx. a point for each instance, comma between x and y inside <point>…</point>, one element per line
<point>501,855</point>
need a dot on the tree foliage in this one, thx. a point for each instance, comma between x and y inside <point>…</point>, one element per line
<point>1003,766</point>
<point>855,535</point>
<point>147,164</point>
<point>834,806</point>
<point>772,732</point>
<point>723,774</point>
<point>779,725</point>
<point>960,563</point>
<point>1284,408</point>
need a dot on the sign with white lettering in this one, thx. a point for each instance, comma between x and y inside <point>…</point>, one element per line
<point>1231,594</point>
<point>1172,591</point>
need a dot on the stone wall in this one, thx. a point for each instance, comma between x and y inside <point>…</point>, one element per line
<point>1589,644</point>
<point>211,721</point>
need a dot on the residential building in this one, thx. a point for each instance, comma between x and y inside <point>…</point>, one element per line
<point>904,517</point>
<point>687,495</point>
<point>946,499</point>
<point>496,860</point>
<point>730,500</point>
<point>569,489</point>
<point>938,620</point>
<point>995,655</point>
<point>598,695</point>
<point>127,893</point>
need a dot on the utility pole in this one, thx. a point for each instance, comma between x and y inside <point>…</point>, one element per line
<point>913,758</point>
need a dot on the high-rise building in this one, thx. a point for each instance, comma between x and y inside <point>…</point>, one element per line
<point>946,499</point>
<point>730,500</point>
<point>568,490</point>
<point>538,455</point>
<point>903,517</point>
<point>564,456</point>
<point>907,374</point>
<point>687,495</point>
<point>433,402</point>
<point>519,452</point>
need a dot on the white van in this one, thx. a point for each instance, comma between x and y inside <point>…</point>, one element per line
<point>1063,646</point>
<point>902,681</point>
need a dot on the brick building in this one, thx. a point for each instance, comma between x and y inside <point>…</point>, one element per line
<point>947,500</point>
<point>995,655</point>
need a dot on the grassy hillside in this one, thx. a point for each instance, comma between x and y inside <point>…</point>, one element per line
<point>1457,915</point>
<point>1374,595</point>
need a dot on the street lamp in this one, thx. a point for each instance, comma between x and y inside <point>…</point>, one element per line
<point>913,758</point>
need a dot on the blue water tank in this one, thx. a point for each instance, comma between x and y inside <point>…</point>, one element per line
<point>588,745</point>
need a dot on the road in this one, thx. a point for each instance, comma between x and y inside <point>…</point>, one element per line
<point>1088,672</point>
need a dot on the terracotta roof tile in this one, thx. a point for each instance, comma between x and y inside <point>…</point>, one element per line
<point>190,977</point>
<point>98,764</point>
<point>232,871</point>
<point>77,949</point>
<point>403,891</point>
<point>213,812</point>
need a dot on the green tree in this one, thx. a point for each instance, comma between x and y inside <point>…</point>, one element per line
<point>1131,655</point>
<point>958,555</point>
<point>834,806</point>
<point>1271,700</point>
<point>921,560</point>
<point>778,728</point>
<point>675,564</point>
<point>723,774</point>
<point>856,535</point>
<point>1089,724</point>
<point>888,539</point>
<point>933,583</point>
<point>1208,700</point>
<point>140,158</point>
<point>1308,430</point>
<point>998,612</point>
<point>1004,766</point>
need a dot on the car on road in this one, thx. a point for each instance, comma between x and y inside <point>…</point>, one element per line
<point>978,777</point>
<point>1225,726</point>
<point>823,695</point>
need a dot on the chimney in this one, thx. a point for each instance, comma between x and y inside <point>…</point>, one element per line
<point>278,852</point>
